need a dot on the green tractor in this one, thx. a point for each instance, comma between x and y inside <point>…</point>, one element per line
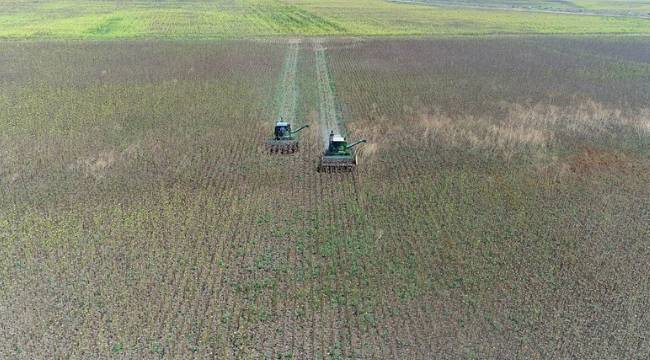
<point>339,156</point>
<point>284,140</point>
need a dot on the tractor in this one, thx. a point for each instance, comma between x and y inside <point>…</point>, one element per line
<point>339,156</point>
<point>284,140</point>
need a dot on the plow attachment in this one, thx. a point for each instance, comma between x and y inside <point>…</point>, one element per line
<point>281,146</point>
<point>337,164</point>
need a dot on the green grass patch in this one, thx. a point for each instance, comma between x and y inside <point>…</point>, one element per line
<point>253,18</point>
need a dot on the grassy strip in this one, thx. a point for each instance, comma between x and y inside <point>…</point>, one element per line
<point>253,18</point>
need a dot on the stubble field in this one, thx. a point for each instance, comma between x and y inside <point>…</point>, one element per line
<point>500,208</point>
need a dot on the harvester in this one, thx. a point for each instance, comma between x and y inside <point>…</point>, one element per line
<point>339,156</point>
<point>284,140</point>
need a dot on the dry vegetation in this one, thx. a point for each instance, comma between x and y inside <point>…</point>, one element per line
<point>500,210</point>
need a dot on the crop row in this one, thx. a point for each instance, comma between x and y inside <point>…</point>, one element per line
<point>141,217</point>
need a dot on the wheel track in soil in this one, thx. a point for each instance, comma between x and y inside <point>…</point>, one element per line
<point>281,306</point>
<point>345,326</point>
<point>287,98</point>
<point>288,90</point>
<point>286,109</point>
<point>327,210</point>
<point>385,329</point>
<point>286,104</point>
<point>329,122</point>
<point>320,338</point>
<point>330,208</point>
<point>328,116</point>
<point>281,255</point>
<point>336,217</point>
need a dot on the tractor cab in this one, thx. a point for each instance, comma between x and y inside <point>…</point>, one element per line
<point>337,145</point>
<point>282,130</point>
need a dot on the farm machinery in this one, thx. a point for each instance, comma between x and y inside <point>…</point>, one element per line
<point>339,156</point>
<point>284,140</point>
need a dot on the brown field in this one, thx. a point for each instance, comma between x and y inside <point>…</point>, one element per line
<point>501,208</point>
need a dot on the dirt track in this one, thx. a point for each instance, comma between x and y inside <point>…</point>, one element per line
<point>288,91</point>
<point>328,118</point>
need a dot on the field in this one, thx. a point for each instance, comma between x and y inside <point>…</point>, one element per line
<point>500,209</point>
<point>227,19</point>
<point>633,8</point>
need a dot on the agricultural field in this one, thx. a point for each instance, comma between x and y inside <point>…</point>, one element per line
<point>499,210</point>
<point>632,8</point>
<point>237,19</point>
